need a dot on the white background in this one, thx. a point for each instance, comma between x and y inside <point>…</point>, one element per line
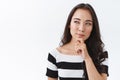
<point>29,29</point>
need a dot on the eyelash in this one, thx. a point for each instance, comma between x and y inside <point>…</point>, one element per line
<point>87,23</point>
<point>77,22</point>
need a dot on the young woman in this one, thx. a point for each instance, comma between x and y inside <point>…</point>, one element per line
<point>81,56</point>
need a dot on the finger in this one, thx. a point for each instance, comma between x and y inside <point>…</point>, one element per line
<point>78,49</point>
<point>77,43</point>
<point>81,40</point>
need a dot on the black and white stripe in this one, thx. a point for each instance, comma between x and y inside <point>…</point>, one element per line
<point>66,67</point>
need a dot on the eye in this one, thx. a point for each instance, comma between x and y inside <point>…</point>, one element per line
<point>77,22</point>
<point>88,24</point>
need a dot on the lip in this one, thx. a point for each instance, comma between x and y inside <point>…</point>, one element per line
<point>80,35</point>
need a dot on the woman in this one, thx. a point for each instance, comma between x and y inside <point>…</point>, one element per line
<point>81,55</point>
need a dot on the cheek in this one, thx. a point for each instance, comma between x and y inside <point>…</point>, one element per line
<point>72,28</point>
<point>88,32</point>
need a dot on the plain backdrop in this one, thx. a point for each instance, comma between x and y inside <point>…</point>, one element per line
<point>29,29</point>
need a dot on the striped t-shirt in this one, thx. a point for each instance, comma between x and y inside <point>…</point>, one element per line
<point>66,67</point>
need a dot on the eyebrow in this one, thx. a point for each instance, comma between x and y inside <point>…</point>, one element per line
<point>88,20</point>
<point>77,19</point>
<point>85,20</point>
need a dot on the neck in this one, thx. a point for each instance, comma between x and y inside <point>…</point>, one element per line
<point>71,44</point>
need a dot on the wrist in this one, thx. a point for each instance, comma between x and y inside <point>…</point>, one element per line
<point>87,59</point>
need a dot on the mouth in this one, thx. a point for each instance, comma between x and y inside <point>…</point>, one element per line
<point>80,35</point>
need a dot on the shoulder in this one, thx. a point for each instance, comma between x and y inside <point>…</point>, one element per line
<point>53,52</point>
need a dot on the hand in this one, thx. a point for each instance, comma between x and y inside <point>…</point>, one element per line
<point>80,49</point>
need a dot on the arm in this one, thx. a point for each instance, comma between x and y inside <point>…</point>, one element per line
<point>49,78</point>
<point>93,74</point>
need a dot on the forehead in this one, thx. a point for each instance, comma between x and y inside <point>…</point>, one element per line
<point>82,14</point>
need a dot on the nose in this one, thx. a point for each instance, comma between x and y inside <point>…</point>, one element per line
<point>81,28</point>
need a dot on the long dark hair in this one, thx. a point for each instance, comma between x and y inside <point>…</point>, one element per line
<point>94,43</point>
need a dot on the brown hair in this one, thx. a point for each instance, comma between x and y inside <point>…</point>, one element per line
<point>94,43</point>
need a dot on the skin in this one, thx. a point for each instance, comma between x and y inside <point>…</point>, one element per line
<point>80,28</point>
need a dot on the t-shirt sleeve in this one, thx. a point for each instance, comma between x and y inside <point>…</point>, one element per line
<point>104,65</point>
<point>51,66</point>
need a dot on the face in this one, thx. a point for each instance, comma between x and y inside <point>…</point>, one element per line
<point>81,24</point>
